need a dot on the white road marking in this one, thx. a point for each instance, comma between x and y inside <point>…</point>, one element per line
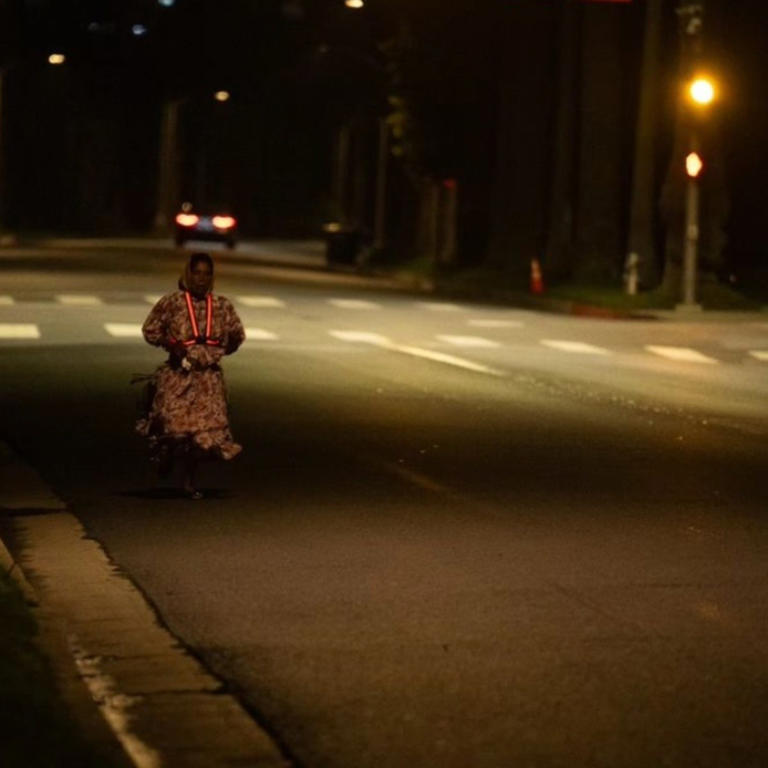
<point>124,330</point>
<point>354,304</point>
<point>153,298</point>
<point>6,301</point>
<point>468,341</point>
<point>439,357</point>
<point>262,302</point>
<point>438,306</point>
<point>481,322</point>
<point>363,337</point>
<point>428,354</point>
<point>575,347</point>
<point>78,300</point>
<point>759,354</point>
<point>259,334</point>
<point>19,331</point>
<point>682,354</point>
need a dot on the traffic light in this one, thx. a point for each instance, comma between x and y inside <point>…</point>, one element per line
<point>694,165</point>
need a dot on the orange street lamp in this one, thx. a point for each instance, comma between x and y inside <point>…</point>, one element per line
<point>702,91</point>
<point>57,58</point>
<point>354,3</point>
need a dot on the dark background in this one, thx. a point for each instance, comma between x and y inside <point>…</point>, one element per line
<point>475,86</point>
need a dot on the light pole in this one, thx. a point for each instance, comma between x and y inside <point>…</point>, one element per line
<point>701,93</point>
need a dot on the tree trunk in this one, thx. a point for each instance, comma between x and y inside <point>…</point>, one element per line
<point>558,249</point>
<point>643,206</point>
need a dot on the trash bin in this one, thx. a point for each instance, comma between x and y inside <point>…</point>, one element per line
<point>342,245</point>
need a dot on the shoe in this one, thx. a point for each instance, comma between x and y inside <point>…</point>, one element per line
<point>193,493</point>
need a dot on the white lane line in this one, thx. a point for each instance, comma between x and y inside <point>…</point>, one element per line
<point>681,354</point>
<point>575,347</point>
<point>759,354</point>
<point>439,357</point>
<point>439,306</point>
<point>482,322</point>
<point>259,334</point>
<point>262,302</point>
<point>468,341</point>
<point>78,300</point>
<point>363,337</point>
<point>354,304</point>
<point>124,330</point>
<point>6,301</point>
<point>19,331</point>
<point>153,298</point>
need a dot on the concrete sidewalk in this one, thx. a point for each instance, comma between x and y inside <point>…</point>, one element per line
<point>139,697</point>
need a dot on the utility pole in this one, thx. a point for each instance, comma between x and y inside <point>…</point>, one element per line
<point>701,94</point>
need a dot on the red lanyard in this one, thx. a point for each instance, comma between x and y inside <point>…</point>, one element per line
<point>196,337</point>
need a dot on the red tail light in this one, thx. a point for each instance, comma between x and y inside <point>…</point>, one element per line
<point>187,219</point>
<point>224,222</point>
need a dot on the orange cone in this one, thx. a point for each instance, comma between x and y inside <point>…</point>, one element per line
<point>537,281</point>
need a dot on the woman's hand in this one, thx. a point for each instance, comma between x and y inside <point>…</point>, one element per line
<point>177,349</point>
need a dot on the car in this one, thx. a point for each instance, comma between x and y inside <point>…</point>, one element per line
<point>219,226</point>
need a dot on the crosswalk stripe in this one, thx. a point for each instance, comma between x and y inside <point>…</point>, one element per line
<point>260,301</point>
<point>575,347</point>
<point>480,322</point>
<point>681,354</point>
<point>759,354</point>
<point>468,341</point>
<point>19,331</point>
<point>439,306</point>
<point>354,304</point>
<point>360,336</point>
<point>259,334</point>
<point>6,301</point>
<point>383,342</point>
<point>78,300</point>
<point>123,330</point>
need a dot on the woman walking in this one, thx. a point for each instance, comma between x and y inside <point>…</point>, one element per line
<point>188,414</point>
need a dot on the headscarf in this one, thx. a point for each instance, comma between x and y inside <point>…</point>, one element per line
<point>186,276</point>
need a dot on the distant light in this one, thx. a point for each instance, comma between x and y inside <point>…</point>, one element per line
<point>221,95</point>
<point>139,30</point>
<point>166,3</point>
<point>187,219</point>
<point>694,165</point>
<point>223,222</point>
<point>354,3</point>
<point>702,91</point>
<point>57,58</point>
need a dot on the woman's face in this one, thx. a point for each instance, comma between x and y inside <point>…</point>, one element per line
<point>201,276</point>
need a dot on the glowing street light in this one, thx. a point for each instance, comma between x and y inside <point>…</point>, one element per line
<point>222,96</point>
<point>57,58</point>
<point>354,3</point>
<point>702,91</point>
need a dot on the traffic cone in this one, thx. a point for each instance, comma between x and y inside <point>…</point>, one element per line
<point>537,281</point>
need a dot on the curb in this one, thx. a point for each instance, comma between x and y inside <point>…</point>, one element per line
<point>140,698</point>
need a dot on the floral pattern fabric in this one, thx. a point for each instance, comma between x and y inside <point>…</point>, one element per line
<point>190,402</point>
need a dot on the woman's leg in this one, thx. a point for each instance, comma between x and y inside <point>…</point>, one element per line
<point>191,461</point>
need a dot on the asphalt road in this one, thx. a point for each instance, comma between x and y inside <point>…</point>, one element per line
<point>459,535</point>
